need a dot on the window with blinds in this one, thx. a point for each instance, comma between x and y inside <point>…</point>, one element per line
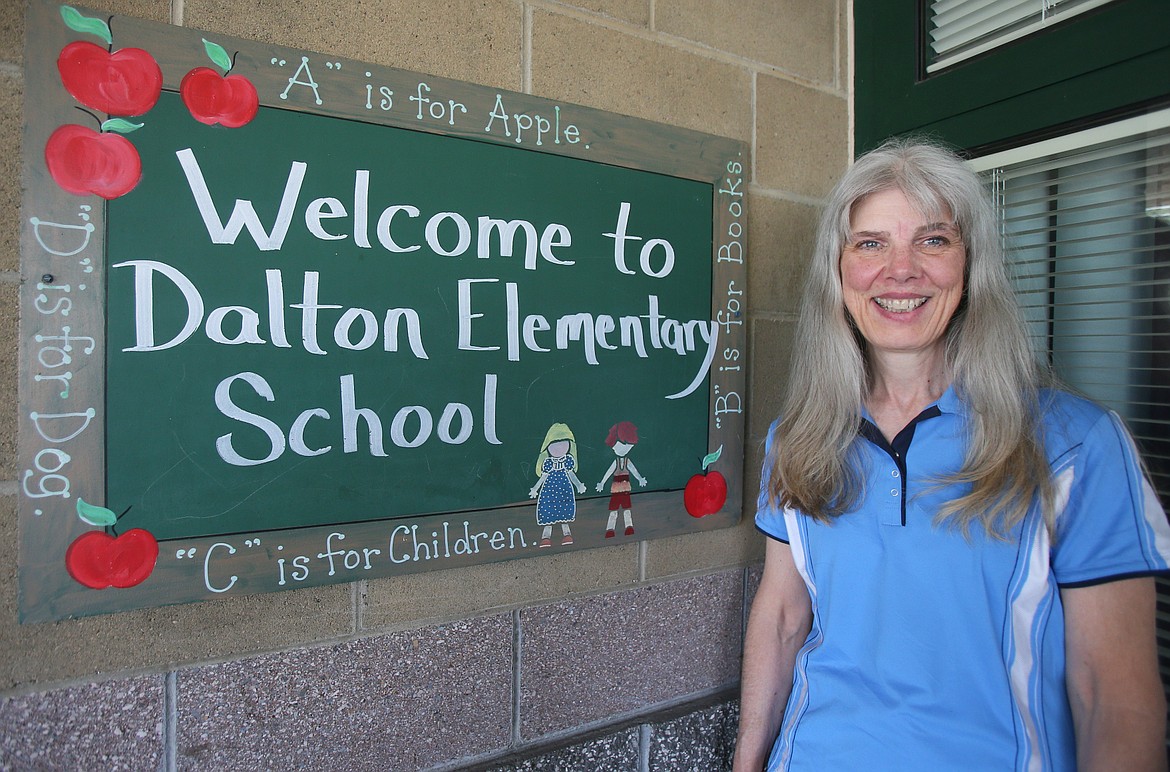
<point>1087,221</point>
<point>959,29</point>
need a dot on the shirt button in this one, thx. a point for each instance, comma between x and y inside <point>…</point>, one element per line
<point>894,492</point>
<point>893,473</point>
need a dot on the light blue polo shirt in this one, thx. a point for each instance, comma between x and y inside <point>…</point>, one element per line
<point>932,651</point>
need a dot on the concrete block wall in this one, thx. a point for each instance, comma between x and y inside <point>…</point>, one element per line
<point>620,658</point>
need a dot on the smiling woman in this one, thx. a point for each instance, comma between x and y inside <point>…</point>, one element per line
<point>990,538</point>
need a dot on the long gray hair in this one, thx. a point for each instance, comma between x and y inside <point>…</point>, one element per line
<point>813,462</point>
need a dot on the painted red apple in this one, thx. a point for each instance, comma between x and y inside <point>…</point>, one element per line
<point>213,98</point>
<point>125,82</point>
<point>83,161</point>
<point>705,494</point>
<point>98,560</point>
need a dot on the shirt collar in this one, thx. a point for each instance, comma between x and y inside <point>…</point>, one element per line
<point>949,402</point>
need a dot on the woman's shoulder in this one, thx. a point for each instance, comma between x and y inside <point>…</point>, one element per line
<point>1066,407</point>
<point>1070,419</point>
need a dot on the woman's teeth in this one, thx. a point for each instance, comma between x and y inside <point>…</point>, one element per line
<point>901,305</point>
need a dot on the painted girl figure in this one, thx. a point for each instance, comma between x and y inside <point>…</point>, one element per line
<point>623,436</point>
<point>556,478</point>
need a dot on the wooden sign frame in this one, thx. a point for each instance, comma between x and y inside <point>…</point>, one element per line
<point>75,558</point>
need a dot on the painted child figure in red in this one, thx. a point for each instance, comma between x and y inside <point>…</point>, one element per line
<point>622,438</point>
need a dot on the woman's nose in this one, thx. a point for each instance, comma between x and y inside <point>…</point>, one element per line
<point>903,261</point>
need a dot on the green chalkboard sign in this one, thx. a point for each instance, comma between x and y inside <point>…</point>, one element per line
<point>322,320</point>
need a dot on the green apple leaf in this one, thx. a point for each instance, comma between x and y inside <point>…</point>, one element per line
<point>711,458</point>
<point>95,515</point>
<point>121,126</point>
<point>217,54</point>
<point>86,24</point>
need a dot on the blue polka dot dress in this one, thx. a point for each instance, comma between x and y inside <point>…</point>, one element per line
<point>556,503</point>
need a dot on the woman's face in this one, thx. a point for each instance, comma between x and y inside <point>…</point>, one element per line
<point>558,449</point>
<point>902,274</point>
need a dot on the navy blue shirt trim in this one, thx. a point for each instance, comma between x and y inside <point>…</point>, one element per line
<point>1113,578</point>
<point>898,449</point>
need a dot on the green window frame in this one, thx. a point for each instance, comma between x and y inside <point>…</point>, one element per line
<point>1096,66</point>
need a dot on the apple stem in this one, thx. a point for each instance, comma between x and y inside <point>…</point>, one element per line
<point>112,530</point>
<point>96,119</point>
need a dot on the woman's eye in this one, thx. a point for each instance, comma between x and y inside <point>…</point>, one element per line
<point>868,244</point>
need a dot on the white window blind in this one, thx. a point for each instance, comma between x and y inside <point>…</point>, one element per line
<point>960,29</point>
<point>1087,219</point>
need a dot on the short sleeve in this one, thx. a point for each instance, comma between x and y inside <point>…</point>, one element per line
<point>769,516</point>
<point>1112,525</point>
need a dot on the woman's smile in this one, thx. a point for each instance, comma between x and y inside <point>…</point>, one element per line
<point>899,305</point>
